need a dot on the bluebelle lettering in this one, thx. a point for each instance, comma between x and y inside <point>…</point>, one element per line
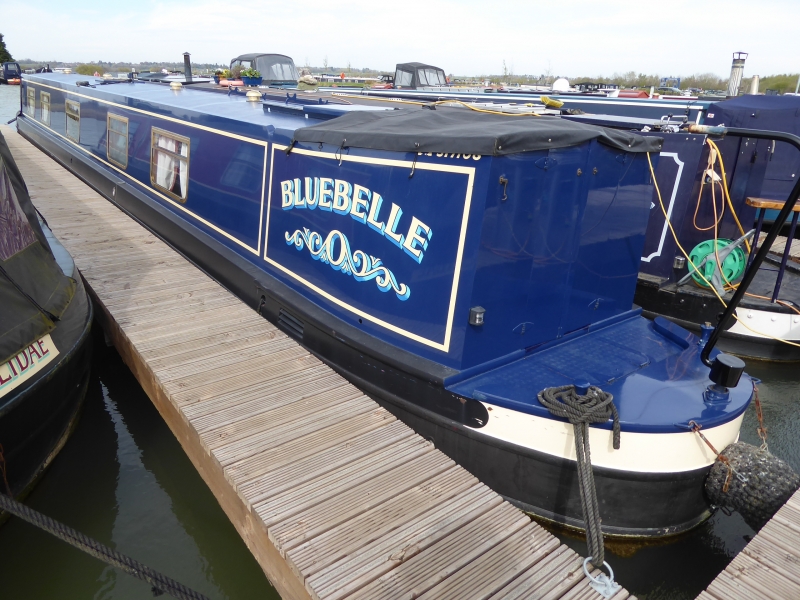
<point>363,205</point>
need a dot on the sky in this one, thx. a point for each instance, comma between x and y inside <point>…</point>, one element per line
<point>470,37</point>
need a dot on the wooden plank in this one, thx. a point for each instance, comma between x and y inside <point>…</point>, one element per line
<point>303,498</point>
<point>245,469</point>
<point>291,414</point>
<point>308,468</point>
<point>502,564</point>
<point>242,449</point>
<point>420,573</point>
<point>774,554</point>
<point>294,393</point>
<point>362,493</point>
<point>312,555</point>
<point>369,562</point>
<point>556,573</point>
<point>250,385</point>
<point>769,204</point>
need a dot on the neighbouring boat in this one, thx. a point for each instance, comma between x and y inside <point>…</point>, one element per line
<point>713,190</point>
<point>10,73</point>
<point>427,83</point>
<point>451,263</point>
<point>45,346</point>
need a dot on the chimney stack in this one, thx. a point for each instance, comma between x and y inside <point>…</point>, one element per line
<point>187,67</point>
<point>737,69</point>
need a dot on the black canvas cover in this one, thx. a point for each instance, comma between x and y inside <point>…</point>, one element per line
<point>464,131</point>
<point>33,290</point>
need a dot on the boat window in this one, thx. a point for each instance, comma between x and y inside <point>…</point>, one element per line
<point>30,107</point>
<point>276,68</point>
<point>117,140</point>
<point>169,163</point>
<point>434,77</point>
<point>402,78</point>
<point>44,99</point>
<point>422,79</point>
<point>73,110</point>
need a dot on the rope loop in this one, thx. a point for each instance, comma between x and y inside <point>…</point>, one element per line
<point>596,406</point>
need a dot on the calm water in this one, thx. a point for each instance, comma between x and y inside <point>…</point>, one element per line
<point>9,102</point>
<point>123,479</point>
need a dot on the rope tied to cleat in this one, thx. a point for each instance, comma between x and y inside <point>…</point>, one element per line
<point>582,405</point>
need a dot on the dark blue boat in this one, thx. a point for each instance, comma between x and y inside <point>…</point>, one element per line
<point>45,347</point>
<point>755,169</point>
<point>452,264</point>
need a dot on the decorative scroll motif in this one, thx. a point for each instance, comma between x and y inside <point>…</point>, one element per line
<point>359,264</point>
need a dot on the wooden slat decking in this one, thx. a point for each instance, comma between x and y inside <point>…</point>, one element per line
<point>769,566</point>
<point>333,495</point>
<point>779,245</point>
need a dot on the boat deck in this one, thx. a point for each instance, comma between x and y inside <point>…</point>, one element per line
<point>769,566</point>
<point>333,495</point>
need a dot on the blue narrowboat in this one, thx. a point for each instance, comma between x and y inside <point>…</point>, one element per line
<point>453,264</point>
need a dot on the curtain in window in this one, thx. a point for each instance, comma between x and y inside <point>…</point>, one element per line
<point>167,167</point>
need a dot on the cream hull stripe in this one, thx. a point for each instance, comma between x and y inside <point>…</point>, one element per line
<point>638,452</point>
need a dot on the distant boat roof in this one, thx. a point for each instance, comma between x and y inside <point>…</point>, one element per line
<point>417,65</point>
<point>254,55</point>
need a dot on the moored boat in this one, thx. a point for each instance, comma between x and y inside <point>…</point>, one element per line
<point>452,263</point>
<point>45,346</point>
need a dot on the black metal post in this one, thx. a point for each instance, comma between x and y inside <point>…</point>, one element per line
<point>785,257</point>
<point>750,273</point>
<point>759,226</point>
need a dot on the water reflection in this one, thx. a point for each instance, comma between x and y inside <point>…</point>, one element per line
<point>124,480</point>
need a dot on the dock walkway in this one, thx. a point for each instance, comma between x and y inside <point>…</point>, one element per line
<point>333,495</point>
<point>769,566</point>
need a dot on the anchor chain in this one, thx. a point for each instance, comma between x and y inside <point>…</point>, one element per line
<point>720,457</point>
<point>761,430</point>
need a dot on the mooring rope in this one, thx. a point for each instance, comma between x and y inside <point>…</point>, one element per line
<point>160,583</point>
<point>596,406</point>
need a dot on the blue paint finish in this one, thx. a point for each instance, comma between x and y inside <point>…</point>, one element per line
<point>391,200</point>
<point>554,263</point>
<point>632,361</point>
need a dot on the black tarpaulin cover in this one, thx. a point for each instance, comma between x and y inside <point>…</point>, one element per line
<point>33,290</point>
<point>464,131</point>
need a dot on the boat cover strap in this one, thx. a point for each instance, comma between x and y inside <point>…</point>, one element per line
<point>464,131</point>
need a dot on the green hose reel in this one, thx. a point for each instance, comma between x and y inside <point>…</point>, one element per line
<point>733,264</point>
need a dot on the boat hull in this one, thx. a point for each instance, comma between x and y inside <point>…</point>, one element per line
<point>634,504</point>
<point>691,306</point>
<point>37,417</point>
